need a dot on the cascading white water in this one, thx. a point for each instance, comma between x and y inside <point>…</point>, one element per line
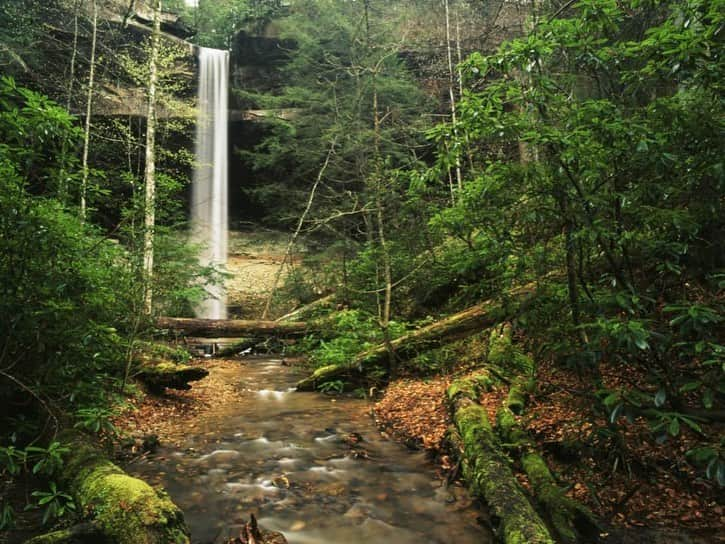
<point>209,212</point>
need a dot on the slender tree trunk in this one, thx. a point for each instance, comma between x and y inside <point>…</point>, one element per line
<point>451,91</point>
<point>74,55</point>
<point>89,109</point>
<point>62,181</point>
<point>150,173</point>
<point>384,314</point>
<point>296,234</point>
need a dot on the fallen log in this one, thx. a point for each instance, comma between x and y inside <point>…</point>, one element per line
<point>219,328</point>
<point>570,520</point>
<point>449,329</point>
<point>486,469</point>
<point>162,374</point>
<point>83,533</point>
<point>121,509</point>
<point>323,302</point>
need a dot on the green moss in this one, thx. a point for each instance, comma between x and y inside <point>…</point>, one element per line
<point>79,534</point>
<point>125,509</point>
<point>470,387</point>
<point>563,512</point>
<point>487,471</point>
<point>516,400</point>
<point>503,353</point>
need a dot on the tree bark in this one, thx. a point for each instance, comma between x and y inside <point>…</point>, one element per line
<point>89,109</point>
<point>232,328</point>
<point>150,173</point>
<point>451,92</point>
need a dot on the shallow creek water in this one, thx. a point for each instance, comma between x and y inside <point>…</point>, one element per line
<point>284,456</point>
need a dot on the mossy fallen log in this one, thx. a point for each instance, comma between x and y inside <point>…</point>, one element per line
<point>219,328</point>
<point>486,469</point>
<point>570,519</point>
<point>308,309</point>
<point>162,374</point>
<point>449,329</point>
<point>83,533</point>
<point>121,509</point>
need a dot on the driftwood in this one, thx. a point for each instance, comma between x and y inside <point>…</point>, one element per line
<point>455,327</point>
<point>251,533</point>
<point>219,328</point>
<point>120,509</point>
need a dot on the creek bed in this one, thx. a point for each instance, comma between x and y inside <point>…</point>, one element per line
<point>310,466</point>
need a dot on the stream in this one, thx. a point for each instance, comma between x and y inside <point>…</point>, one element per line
<point>311,466</point>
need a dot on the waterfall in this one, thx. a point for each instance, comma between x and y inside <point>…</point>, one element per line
<point>209,189</point>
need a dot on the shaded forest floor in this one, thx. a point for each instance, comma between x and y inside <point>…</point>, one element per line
<point>650,486</point>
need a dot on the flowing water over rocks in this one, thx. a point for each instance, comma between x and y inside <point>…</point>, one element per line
<point>310,466</point>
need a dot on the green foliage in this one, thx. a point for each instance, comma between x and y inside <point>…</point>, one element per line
<point>37,460</point>
<point>7,516</point>
<point>96,420</point>
<point>712,457</point>
<point>47,461</point>
<point>334,386</point>
<point>352,332</point>
<point>12,460</point>
<point>56,503</point>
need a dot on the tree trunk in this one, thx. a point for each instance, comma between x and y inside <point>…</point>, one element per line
<point>121,509</point>
<point>150,174</point>
<point>451,92</point>
<point>89,109</point>
<point>233,328</point>
<point>301,222</point>
<point>486,470</point>
<point>447,330</point>
<point>162,374</point>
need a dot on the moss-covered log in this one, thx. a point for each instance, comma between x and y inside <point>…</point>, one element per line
<point>569,518</point>
<point>160,375</point>
<point>450,329</point>
<point>122,509</point>
<point>219,328</point>
<point>486,469</point>
<point>83,533</point>
<point>308,309</point>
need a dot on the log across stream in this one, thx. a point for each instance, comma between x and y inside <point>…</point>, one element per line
<point>311,466</point>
